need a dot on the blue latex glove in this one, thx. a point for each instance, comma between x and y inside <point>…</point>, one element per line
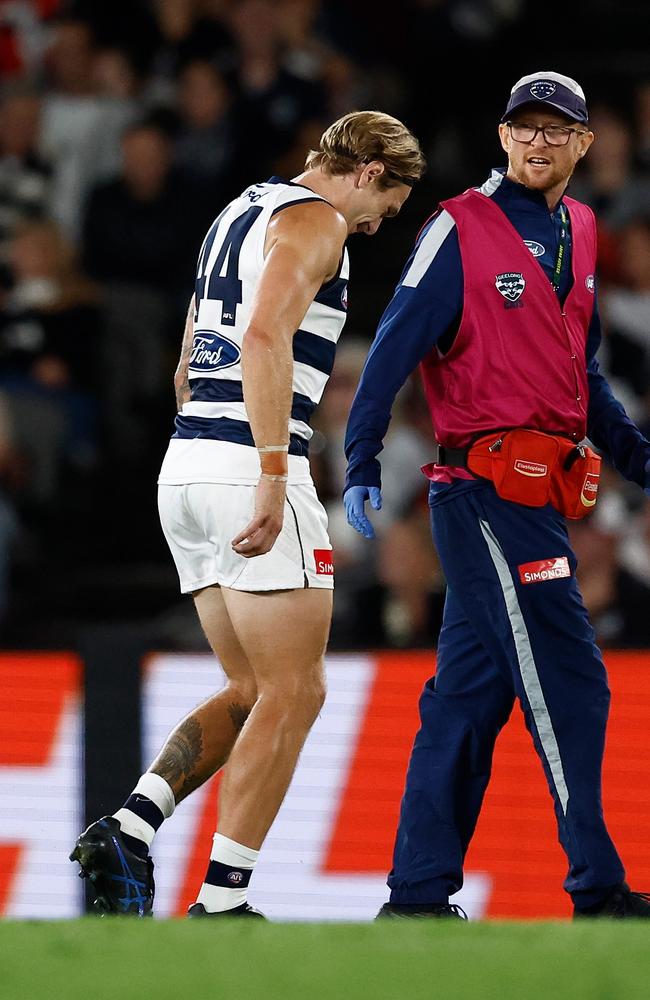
<point>354,501</point>
<point>646,488</point>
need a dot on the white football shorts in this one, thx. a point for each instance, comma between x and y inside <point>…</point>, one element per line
<point>200,520</point>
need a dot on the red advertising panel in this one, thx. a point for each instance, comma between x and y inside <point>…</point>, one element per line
<point>328,853</point>
<point>515,844</point>
<point>40,783</point>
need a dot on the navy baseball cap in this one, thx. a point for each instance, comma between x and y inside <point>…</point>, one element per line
<point>552,89</point>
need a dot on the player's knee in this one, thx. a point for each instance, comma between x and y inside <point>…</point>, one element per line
<point>296,699</point>
<point>314,695</point>
<point>305,707</point>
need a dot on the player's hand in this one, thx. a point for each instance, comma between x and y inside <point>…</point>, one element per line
<point>354,501</point>
<point>260,533</point>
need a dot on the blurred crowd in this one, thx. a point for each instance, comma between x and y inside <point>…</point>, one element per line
<point>124,128</point>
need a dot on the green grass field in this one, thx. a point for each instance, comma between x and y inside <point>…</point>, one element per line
<point>157,960</point>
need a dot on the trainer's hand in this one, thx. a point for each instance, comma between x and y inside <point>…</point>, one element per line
<point>354,501</point>
<point>260,534</point>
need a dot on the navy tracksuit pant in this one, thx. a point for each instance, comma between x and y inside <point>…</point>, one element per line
<point>502,639</point>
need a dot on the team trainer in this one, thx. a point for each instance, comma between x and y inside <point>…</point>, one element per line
<point>498,304</point>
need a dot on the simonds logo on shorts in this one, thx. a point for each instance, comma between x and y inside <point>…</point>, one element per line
<point>544,569</point>
<point>211,352</point>
<point>324,559</point>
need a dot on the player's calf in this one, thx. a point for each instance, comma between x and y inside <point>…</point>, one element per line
<point>255,783</point>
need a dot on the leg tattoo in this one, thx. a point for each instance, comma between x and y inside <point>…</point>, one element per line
<point>201,744</point>
<point>238,715</point>
<point>180,756</point>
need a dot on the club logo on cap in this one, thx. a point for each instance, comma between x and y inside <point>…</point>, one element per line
<point>543,89</point>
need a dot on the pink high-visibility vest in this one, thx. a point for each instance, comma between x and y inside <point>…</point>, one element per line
<point>518,359</point>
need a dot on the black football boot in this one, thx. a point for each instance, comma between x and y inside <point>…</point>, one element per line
<point>421,910</point>
<point>122,881</point>
<point>198,910</point>
<point>619,903</point>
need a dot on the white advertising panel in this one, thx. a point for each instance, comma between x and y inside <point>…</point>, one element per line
<point>294,878</point>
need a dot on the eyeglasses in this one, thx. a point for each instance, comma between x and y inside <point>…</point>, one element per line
<point>555,135</point>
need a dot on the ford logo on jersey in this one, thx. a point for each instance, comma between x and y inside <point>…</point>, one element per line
<point>212,351</point>
<point>535,248</point>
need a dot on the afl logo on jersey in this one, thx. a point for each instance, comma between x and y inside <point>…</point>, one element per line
<point>212,351</point>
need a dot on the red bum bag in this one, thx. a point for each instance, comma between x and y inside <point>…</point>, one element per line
<point>533,469</point>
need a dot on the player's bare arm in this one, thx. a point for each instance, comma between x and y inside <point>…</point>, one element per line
<point>303,251</point>
<point>181,381</point>
<point>260,267</point>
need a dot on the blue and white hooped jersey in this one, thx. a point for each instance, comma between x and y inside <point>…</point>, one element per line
<point>228,270</point>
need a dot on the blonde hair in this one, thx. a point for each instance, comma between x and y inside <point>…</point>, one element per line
<point>362,136</point>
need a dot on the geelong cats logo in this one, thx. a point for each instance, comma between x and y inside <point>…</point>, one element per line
<point>511,285</point>
<point>543,89</point>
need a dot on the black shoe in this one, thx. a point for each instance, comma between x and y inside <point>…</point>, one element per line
<point>245,910</point>
<point>123,881</point>
<point>620,902</point>
<point>426,910</point>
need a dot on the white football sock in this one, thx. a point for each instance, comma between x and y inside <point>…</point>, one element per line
<point>151,801</point>
<point>228,875</point>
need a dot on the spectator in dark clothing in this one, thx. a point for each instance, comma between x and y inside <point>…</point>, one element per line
<point>142,234</point>
<point>50,330</point>
<point>24,174</point>
<point>186,33</point>
<point>50,314</point>
<point>142,228</point>
<point>626,309</point>
<point>81,125</point>
<point>611,182</point>
<point>204,144</point>
<point>273,101</point>
<point>128,26</point>
<point>617,598</point>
